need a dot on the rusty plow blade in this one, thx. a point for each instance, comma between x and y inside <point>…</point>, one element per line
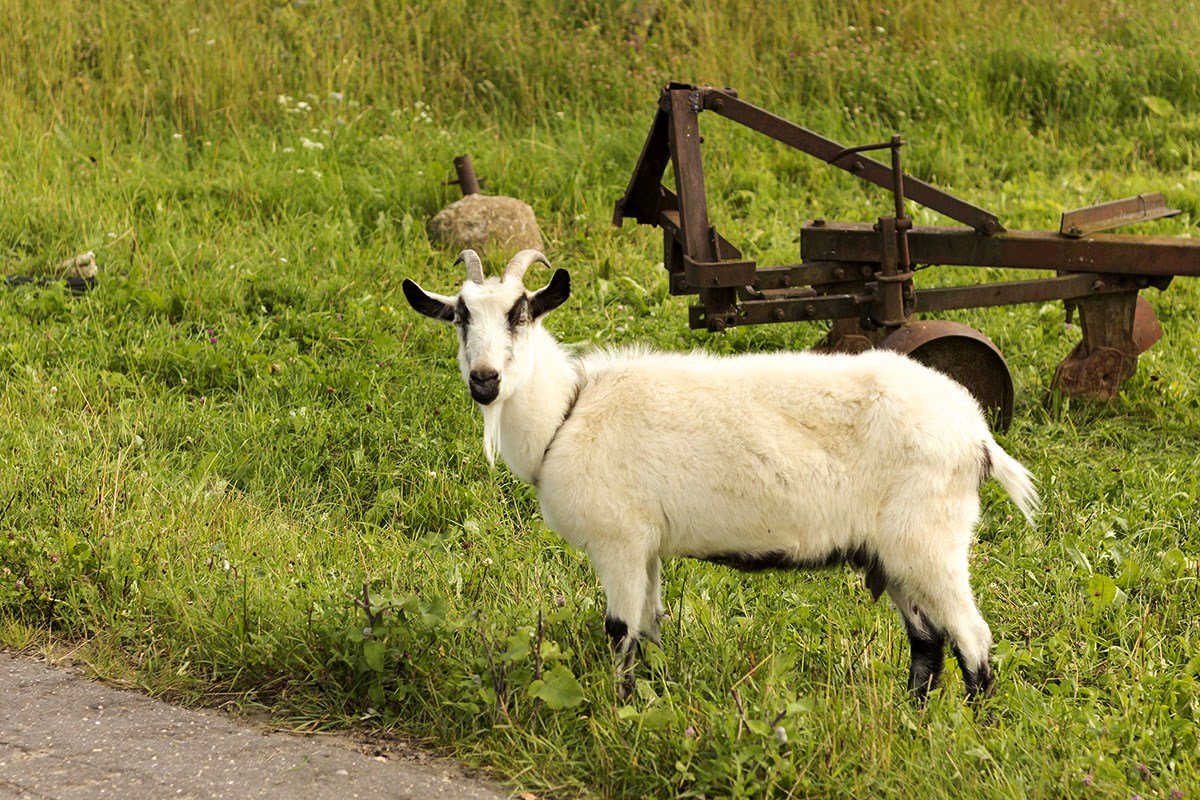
<point>1117,329</point>
<point>1146,329</point>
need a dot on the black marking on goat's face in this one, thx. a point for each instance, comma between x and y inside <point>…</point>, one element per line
<point>462,315</point>
<point>859,558</point>
<point>518,315</point>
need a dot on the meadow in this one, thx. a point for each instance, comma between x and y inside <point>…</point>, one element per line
<point>242,471</point>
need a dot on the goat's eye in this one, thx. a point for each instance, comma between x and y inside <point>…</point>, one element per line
<point>517,314</point>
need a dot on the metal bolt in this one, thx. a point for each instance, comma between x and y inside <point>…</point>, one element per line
<point>810,310</point>
<point>718,104</point>
<point>839,273</point>
<point>990,226</point>
<point>757,285</point>
<point>785,281</point>
<point>731,320</point>
<point>819,222</point>
<point>778,314</point>
<point>716,324</point>
<point>1097,286</point>
<point>856,167</point>
<point>865,271</point>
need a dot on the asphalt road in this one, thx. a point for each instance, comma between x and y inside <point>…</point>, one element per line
<point>65,736</point>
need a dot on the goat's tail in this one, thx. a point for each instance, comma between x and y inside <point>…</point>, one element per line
<point>1015,479</point>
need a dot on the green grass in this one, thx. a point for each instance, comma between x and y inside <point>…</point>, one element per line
<point>206,458</point>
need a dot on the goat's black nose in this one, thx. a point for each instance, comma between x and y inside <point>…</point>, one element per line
<point>485,385</point>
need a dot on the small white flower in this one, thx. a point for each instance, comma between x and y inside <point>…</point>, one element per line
<point>289,149</point>
<point>207,143</point>
<point>336,96</point>
<point>780,734</point>
<point>282,99</point>
<point>559,114</point>
<point>211,42</point>
<point>880,29</point>
<point>53,390</point>
<point>303,106</point>
<point>316,173</point>
<point>193,31</point>
<point>177,136</point>
<point>309,144</point>
<point>283,261</point>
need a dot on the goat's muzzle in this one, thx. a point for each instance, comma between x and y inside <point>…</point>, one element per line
<point>485,385</point>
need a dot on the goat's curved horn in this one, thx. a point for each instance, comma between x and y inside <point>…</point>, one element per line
<point>474,265</point>
<point>520,262</point>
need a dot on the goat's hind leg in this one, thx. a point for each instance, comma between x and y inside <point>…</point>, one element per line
<point>948,602</point>
<point>926,643</point>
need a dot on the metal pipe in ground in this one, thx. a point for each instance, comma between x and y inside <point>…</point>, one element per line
<point>467,180</point>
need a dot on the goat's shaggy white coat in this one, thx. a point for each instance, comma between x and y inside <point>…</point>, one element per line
<point>799,456</point>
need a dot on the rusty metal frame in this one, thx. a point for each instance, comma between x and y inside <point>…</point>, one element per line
<point>863,272</point>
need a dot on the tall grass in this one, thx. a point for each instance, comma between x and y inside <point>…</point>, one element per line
<point>207,458</point>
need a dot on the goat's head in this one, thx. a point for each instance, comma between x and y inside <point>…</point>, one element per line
<point>493,317</point>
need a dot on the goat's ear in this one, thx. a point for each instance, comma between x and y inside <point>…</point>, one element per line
<point>552,295</point>
<point>431,305</point>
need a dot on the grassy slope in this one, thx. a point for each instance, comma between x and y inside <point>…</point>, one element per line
<point>206,458</point>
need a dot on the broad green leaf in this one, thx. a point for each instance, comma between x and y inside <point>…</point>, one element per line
<point>373,654</point>
<point>659,716</point>
<point>558,688</point>
<point>1104,592</point>
<point>433,611</point>
<point>518,647</point>
<point>1159,106</point>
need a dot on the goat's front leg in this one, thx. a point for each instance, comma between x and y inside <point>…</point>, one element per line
<point>625,578</point>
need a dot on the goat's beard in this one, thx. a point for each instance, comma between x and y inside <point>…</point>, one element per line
<point>491,430</point>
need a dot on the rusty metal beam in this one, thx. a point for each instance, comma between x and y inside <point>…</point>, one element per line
<point>689,177</point>
<point>781,130</point>
<point>1115,213</point>
<point>758,312</point>
<point>642,196</point>
<point>984,295</point>
<point>1118,254</point>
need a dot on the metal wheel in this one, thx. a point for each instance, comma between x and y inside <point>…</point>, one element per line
<point>967,356</point>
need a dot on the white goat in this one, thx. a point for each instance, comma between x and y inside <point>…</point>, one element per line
<point>782,460</point>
